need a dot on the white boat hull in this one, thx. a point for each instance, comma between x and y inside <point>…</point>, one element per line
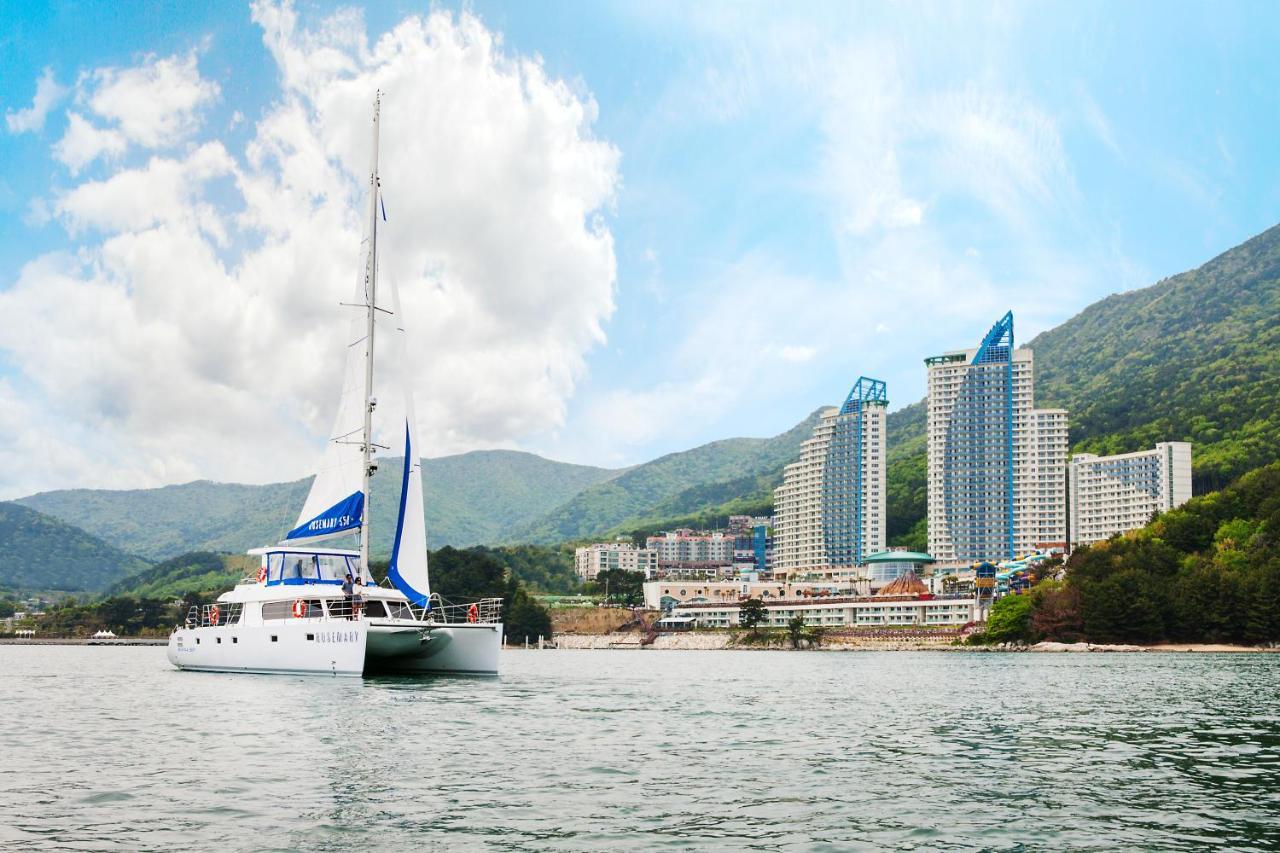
<point>470,649</point>
<point>339,648</point>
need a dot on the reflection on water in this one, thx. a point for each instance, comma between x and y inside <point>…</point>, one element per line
<point>579,750</point>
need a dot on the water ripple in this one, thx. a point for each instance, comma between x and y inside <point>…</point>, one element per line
<point>111,749</point>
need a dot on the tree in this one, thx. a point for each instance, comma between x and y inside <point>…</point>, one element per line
<point>1057,612</point>
<point>525,620</point>
<point>463,575</point>
<point>1010,620</point>
<point>751,613</point>
<point>795,630</point>
<point>622,586</point>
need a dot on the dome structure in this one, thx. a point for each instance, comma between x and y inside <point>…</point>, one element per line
<point>907,583</point>
<point>888,565</point>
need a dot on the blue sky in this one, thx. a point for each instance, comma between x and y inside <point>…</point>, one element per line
<point>781,199</point>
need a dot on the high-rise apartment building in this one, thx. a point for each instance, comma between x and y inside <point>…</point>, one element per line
<point>1113,494</point>
<point>829,512</point>
<point>996,464</point>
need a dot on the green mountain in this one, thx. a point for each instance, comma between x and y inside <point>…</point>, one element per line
<point>196,572</point>
<point>470,498</point>
<point>678,484</point>
<point>42,553</point>
<point>1195,357</point>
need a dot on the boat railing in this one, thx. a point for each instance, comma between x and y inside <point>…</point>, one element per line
<point>486,611</point>
<point>210,615</point>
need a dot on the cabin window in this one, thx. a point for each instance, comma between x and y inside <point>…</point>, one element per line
<point>300,567</point>
<point>400,610</point>
<point>275,563</point>
<point>375,609</point>
<point>275,638</point>
<point>333,567</point>
<point>277,610</point>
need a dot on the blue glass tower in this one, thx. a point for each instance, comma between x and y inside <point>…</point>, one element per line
<point>844,504</point>
<point>978,457</point>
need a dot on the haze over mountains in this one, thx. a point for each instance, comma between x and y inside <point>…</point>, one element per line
<point>1195,357</point>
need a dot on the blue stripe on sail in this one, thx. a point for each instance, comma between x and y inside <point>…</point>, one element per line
<point>344,515</point>
<point>393,570</point>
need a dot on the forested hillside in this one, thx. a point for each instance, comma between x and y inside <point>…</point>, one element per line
<point>197,572</point>
<point>1208,571</point>
<point>678,484</point>
<point>43,553</point>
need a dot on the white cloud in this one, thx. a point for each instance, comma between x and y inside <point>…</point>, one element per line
<point>31,120</point>
<point>795,354</point>
<point>165,190</point>
<point>995,147</point>
<point>196,331</point>
<point>153,105</point>
<point>82,143</point>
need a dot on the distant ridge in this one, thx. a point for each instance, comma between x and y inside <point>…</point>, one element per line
<point>472,498</point>
<point>43,553</point>
<point>673,485</point>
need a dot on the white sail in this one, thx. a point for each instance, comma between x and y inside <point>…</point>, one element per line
<point>334,504</point>
<point>408,567</point>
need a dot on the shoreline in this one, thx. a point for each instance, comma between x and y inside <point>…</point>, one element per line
<point>723,642</point>
<point>83,641</point>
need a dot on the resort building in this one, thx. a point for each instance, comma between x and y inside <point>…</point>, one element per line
<point>1114,494</point>
<point>905,602</point>
<point>666,593</point>
<point>996,464</point>
<point>830,508</point>
<point>687,549</point>
<point>590,560</point>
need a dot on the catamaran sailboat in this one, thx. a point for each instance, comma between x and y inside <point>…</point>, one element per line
<point>296,616</point>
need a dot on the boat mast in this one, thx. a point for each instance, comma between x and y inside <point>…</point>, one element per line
<point>371,296</point>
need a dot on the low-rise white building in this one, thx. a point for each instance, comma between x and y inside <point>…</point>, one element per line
<point>863,611</point>
<point>590,560</point>
<point>1115,494</point>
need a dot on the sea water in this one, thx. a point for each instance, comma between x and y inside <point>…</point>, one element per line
<point>112,749</point>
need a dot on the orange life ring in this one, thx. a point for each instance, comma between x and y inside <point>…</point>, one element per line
<point>214,613</point>
<point>299,609</point>
<point>262,574</point>
<point>473,613</point>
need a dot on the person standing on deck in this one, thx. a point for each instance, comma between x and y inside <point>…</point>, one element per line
<point>348,591</point>
<point>357,601</point>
